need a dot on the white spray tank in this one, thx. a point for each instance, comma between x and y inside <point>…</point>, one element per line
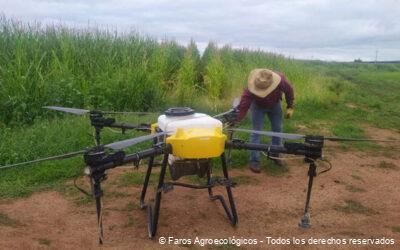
<point>175,118</point>
<point>186,118</point>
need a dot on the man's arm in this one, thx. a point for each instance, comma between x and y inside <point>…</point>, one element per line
<point>287,89</point>
<point>244,105</point>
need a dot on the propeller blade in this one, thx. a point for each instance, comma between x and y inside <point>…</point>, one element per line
<point>235,102</point>
<point>270,133</point>
<point>130,142</point>
<point>85,111</point>
<point>69,110</point>
<point>222,114</point>
<point>64,156</point>
<point>129,113</point>
<point>357,139</point>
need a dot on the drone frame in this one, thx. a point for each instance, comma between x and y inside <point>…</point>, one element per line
<point>99,160</point>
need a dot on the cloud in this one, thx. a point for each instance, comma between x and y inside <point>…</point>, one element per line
<point>324,29</point>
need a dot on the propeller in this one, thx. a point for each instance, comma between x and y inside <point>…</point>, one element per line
<point>130,142</point>
<point>270,133</point>
<point>299,136</point>
<point>85,111</point>
<point>115,146</point>
<point>235,104</point>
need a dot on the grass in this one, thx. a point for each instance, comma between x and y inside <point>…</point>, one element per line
<point>396,229</point>
<point>83,200</point>
<point>245,180</point>
<point>130,222</point>
<point>101,69</point>
<point>273,169</point>
<point>44,241</point>
<point>387,165</point>
<point>239,180</point>
<point>356,177</point>
<point>354,207</point>
<point>135,179</point>
<point>130,206</point>
<point>5,220</point>
<point>354,189</point>
<point>117,194</point>
<point>46,138</point>
<point>71,193</point>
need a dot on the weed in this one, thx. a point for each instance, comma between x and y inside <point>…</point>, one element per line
<point>130,222</point>
<point>387,165</point>
<point>135,179</point>
<point>130,206</point>
<point>117,194</point>
<point>274,169</point>
<point>356,177</point>
<point>5,220</point>
<point>354,189</point>
<point>83,200</point>
<point>44,241</point>
<point>351,207</point>
<point>245,180</point>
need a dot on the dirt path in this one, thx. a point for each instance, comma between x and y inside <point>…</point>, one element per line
<point>358,198</point>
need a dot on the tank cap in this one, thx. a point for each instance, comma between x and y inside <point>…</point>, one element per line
<point>179,111</point>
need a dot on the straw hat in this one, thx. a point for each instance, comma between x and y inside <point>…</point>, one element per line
<point>262,82</point>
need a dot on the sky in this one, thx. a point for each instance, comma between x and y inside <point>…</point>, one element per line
<point>333,30</point>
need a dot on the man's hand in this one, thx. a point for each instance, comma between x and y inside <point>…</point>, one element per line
<point>232,116</point>
<point>289,113</point>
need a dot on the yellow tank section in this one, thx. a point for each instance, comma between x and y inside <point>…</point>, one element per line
<point>197,143</point>
<point>153,127</point>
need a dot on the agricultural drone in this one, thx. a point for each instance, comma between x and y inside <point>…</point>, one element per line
<point>188,141</point>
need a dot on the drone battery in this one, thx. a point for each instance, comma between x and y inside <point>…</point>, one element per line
<point>181,168</point>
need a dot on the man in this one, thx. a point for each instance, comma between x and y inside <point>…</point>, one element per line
<point>264,94</point>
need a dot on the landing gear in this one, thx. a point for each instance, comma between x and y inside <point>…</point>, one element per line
<point>153,213</point>
<point>305,220</point>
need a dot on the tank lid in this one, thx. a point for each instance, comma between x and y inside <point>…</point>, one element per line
<point>179,111</point>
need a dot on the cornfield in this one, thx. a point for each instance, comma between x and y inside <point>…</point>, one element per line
<point>94,68</point>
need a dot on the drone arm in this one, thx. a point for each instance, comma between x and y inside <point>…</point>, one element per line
<point>124,159</point>
<point>98,121</point>
<point>239,144</point>
<point>156,150</point>
<point>308,150</point>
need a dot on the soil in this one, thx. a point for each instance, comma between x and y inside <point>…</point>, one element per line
<point>357,199</point>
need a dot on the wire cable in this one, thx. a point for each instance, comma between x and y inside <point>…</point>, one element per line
<point>283,158</point>
<point>301,157</point>
<point>327,169</point>
<point>79,188</point>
